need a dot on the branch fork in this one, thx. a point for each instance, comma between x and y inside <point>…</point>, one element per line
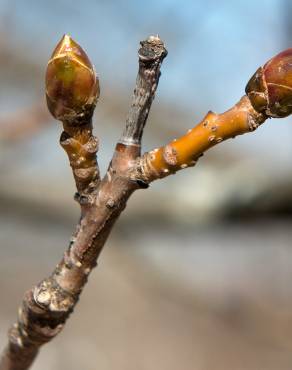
<point>72,91</point>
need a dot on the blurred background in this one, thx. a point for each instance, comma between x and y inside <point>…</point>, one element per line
<point>197,273</point>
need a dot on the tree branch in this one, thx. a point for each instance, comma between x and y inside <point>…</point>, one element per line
<point>47,306</point>
<point>72,91</point>
<point>81,147</point>
<point>185,151</point>
<point>151,55</point>
<point>268,95</point>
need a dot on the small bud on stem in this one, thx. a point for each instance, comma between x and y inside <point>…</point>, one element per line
<point>72,87</point>
<point>270,88</point>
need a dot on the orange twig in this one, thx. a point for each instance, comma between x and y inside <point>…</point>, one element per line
<point>186,150</point>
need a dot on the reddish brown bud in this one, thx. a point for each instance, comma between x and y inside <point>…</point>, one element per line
<point>270,88</point>
<point>72,87</point>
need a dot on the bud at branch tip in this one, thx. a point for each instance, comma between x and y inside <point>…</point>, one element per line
<point>270,88</point>
<point>72,87</point>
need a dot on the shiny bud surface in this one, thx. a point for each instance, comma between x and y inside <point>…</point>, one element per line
<point>72,87</point>
<point>270,88</point>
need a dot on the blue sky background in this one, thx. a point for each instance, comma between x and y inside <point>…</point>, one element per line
<point>214,47</point>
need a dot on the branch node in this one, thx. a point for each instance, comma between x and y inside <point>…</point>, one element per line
<point>170,155</point>
<point>142,184</point>
<point>84,199</point>
<point>110,203</point>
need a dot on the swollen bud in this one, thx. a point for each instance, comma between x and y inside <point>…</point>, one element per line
<point>270,88</point>
<point>72,87</point>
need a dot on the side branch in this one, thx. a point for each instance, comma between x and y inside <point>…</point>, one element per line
<point>81,147</point>
<point>72,91</point>
<point>185,151</point>
<point>151,55</point>
<point>47,306</point>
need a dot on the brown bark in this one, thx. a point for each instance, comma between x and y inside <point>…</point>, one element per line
<point>47,306</point>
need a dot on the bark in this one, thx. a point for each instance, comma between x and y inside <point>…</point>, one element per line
<point>47,306</point>
<point>151,53</point>
<point>185,151</point>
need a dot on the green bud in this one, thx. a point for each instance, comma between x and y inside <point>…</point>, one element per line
<point>72,87</point>
<point>270,88</point>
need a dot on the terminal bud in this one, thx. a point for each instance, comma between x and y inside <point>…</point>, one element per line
<point>72,87</point>
<point>270,88</point>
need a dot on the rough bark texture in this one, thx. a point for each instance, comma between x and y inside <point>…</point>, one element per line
<point>151,55</point>
<point>46,307</point>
